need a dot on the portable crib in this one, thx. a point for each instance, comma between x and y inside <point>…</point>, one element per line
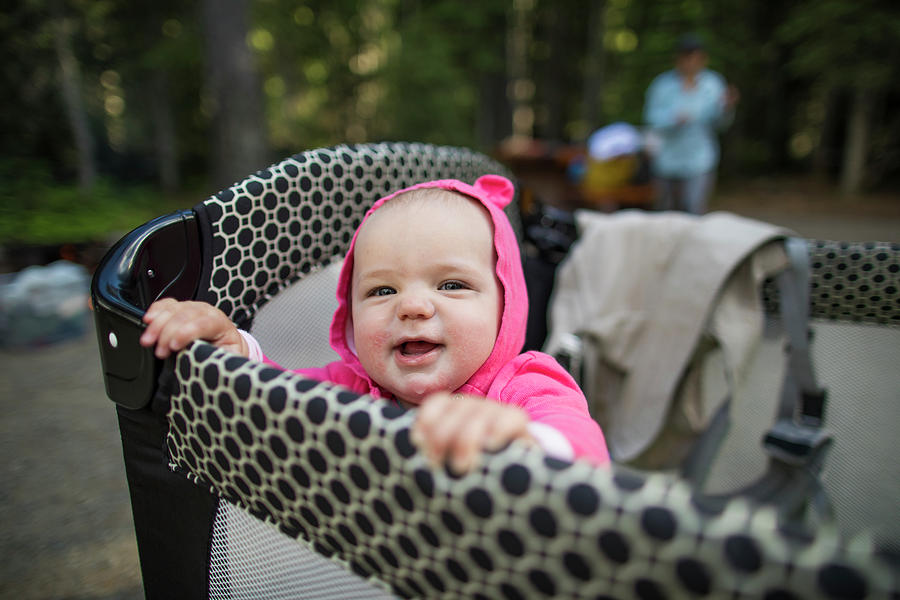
<point>249,482</point>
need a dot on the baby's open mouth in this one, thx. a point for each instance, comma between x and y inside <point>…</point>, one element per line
<point>416,348</point>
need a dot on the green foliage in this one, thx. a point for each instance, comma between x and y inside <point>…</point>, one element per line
<point>844,43</point>
<point>32,117</point>
<point>338,71</point>
<point>34,209</point>
<point>429,96</point>
<point>355,71</point>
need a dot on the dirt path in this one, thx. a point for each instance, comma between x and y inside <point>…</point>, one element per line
<point>67,527</point>
<point>813,209</point>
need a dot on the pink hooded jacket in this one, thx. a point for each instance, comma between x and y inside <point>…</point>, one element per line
<point>532,381</point>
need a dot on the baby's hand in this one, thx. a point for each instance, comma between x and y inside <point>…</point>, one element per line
<point>172,325</point>
<point>456,428</point>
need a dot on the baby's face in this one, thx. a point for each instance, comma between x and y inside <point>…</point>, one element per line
<point>425,299</point>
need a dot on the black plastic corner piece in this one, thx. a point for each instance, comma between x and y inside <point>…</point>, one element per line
<point>161,258</point>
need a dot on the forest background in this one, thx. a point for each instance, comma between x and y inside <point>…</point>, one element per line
<point>115,111</point>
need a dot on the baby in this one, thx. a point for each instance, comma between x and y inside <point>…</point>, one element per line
<point>432,309</point>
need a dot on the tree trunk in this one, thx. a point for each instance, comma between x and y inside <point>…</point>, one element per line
<point>856,147</point>
<point>824,154</point>
<point>777,123</point>
<point>70,85</point>
<point>494,120</point>
<point>494,117</point>
<point>553,86</point>
<point>521,87</point>
<point>591,102</point>
<point>165,138</point>
<point>239,139</point>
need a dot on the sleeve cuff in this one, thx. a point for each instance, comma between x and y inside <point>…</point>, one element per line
<point>254,352</point>
<point>551,441</point>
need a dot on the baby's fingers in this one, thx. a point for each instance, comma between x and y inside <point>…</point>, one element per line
<point>159,307</point>
<point>156,317</point>
<point>172,325</point>
<point>436,424</point>
<point>429,415</point>
<point>511,425</point>
<point>180,331</point>
<point>465,446</point>
<point>458,428</point>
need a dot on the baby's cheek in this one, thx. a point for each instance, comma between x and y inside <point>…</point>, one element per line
<point>375,339</point>
<point>473,348</point>
<point>476,335</point>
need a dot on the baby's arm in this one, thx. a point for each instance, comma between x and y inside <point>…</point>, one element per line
<point>173,324</point>
<point>457,428</point>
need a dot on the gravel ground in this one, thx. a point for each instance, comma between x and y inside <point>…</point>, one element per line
<point>813,210</point>
<point>66,515</point>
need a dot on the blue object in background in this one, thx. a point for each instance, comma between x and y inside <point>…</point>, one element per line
<point>43,305</point>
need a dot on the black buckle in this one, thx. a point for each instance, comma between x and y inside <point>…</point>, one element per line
<point>795,443</point>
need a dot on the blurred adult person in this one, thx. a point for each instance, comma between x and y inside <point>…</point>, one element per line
<point>685,108</point>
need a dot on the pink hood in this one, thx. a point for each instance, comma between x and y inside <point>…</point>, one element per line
<point>494,193</point>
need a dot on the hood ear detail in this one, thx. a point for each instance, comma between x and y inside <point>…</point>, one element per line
<point>498,190</point>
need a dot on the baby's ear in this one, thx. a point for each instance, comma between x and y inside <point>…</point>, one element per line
<point>497,189</point>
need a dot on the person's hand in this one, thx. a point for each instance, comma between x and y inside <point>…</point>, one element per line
<point>457,428</point>
<point>172,325</point>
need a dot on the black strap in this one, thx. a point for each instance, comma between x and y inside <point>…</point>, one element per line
<point>801,398</point>
<point>173,517</point>
<point>797,433</point>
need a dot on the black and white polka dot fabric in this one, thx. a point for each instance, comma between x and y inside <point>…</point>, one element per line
<point>279,224</point>
<point>855,281</point>
<point>851,281</point>
<point>338,471</point>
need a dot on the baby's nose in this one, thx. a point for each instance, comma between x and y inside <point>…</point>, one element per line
<point>415,306</point>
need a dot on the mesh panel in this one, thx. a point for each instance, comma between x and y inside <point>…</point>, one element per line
<point>250,559</point>
<point>293,327</point>
<point>857,365</point>
<point>741,458</point>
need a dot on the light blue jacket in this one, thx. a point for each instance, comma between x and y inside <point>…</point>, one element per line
<point>689,148</point>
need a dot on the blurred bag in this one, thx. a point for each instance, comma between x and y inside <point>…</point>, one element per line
<point>43,304</point>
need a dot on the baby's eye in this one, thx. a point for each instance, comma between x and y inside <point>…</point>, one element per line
<point>382,291</point>
<point>450,286</point>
